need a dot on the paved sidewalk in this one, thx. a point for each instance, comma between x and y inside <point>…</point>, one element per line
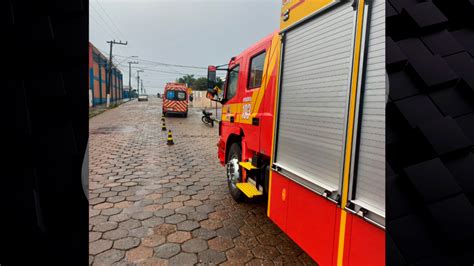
<point>98,109</point>
<point>153,204</point>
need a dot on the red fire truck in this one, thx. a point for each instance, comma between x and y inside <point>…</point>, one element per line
<point>303,123</point>
<point>175,99</point>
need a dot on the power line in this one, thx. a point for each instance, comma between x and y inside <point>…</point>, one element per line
<point>110,31</point>
<point>105,22</point>
<point>110,19</point>
<point>104,30</point>
<point>161,71</point>
<point>167,64</point>
<point>166,72</point>
<point>160,63</point>
<point>102,18</point>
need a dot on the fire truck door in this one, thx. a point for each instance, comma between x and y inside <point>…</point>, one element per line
<point>232,108</point>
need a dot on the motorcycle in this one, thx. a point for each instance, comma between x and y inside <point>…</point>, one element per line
<point>207,119</point>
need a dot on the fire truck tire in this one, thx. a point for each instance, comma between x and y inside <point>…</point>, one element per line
<point>234,171</point>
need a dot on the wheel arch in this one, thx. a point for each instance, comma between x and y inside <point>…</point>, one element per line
<point>231,139</point>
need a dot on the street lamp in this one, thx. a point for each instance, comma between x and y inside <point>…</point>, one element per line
<point>126,58</point>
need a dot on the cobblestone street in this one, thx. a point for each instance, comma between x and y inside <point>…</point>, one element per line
<point>154,204</point>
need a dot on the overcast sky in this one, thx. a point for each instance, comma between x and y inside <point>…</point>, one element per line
<point>181,32</point>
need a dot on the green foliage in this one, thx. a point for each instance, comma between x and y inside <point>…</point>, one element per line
<point>187,79</point>
<point>200,84</point>
<point>197,84</point>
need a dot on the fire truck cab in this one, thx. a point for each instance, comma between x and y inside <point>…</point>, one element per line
<point>248,105</point>
<point>303,123</point>
<point>175,99</point>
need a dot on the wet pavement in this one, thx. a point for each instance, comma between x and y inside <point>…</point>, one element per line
<point>154,204</point>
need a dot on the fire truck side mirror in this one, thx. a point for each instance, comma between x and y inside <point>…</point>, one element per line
<point>211,94</point>
<point>211,77</point>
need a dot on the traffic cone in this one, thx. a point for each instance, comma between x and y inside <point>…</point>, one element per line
<point>163,118</point>
<point>163,127</point>
<point>170,138</point>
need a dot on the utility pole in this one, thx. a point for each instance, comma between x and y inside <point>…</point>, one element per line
<point>138,81</point>
<point>109,87</point>
<point>142,87</point>
<point>130,78</point>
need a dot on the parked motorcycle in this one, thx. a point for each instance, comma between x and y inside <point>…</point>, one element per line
<point>207,119</point>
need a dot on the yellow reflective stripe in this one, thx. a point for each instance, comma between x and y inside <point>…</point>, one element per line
<point>270,64</point>
<point>259,94</point>
<point>277,87</point>
<point>350,131</point>
<point>342,232</point>
<point>233,108</point>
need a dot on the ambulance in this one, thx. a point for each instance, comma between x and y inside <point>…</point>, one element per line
<point>175,99</point>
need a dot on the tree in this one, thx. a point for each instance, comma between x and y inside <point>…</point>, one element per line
<point>199,84</point>
<point>187,79</point>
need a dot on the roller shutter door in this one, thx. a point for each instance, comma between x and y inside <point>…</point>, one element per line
<point>370,164</point>
<point>317,60</point>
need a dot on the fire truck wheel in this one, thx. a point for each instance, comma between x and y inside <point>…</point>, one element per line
<point>234,171</point>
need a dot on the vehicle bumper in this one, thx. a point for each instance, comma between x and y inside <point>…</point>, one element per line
<point>175,112</point>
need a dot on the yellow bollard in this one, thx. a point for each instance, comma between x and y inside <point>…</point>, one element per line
<point>163,127</point>
<point>170,138</point>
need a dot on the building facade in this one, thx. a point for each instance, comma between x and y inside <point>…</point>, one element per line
<point>98,79</point>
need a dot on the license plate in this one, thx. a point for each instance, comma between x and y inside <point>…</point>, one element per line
<point>170,109</point>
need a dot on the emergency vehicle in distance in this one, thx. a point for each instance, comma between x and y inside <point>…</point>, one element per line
<point>303,123</point>
<point>175,99</point>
